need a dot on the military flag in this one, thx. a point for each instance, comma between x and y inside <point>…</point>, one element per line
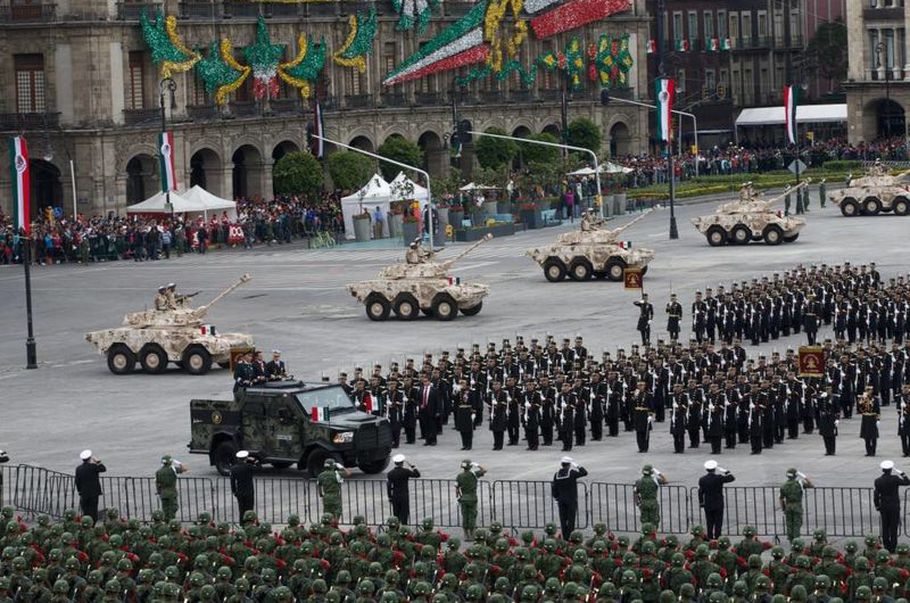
<point>19,176</point>
<point>790,112</point>
<point>665,93</point>
<point>166,162</point>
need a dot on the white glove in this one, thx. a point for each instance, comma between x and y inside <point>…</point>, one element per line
<point>877,423</point>
<point>711,407</point>
<point>656,471</point>
<point>836,423</point>
<point>801,474</point>
<point>650,419</point>
<point>574,465</point>
<point>675,406</point>
<point>722,470</point>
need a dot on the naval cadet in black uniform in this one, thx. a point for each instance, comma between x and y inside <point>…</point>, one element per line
<point>888,503</point>
<point>242,482</point>
<point>645,316</point>
<point>397,488</point>
<point>565,492</point>
<point>674,315</point>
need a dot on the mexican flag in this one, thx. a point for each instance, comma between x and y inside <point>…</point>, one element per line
<point>625,244</point>
<point>652,46</point>
<point>319,414</point>
<point>665,91</point>
<point>166,161</point>
<point>682,45</point>
<point>368,403</point>
<point>790,113</point>
<point>713,45</point>
<point>19,176</point>
<point>726,44</point>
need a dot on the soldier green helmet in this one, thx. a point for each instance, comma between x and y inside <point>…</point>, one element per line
<point>879,583</point>
<point>552,584</point>
<point>343,577</point>
<point>454,543</point>
<point>629,577</point>
<point>686,590</point>
<point>647,527</point>
<point>763,582</point>
<point>319,586</point>
<point>501,584</point>
<point>754,562</point>
<point>599,546</point>
<point>389,597</point>
<point>803,562</point>
<point>112,586</point>
<point>718,597</point>
<point>474,592</point>
<point>740,588</point>
<point>4,583</point>
<point>450,581</point>
<point>207,593</point>
<point>666,596</point>
<point>883,556</point>
<point>366,587</point>
<point>819,534</point>
<point>863,593</point>
<point>647,470</point>
<point>777,552</point>
<point>678,559</point>
<point>529,593</point>
<point>570,589</point>
<point>61,587</point>
<point>440,598</point>
<point>903,549</point>
<point>329,464</point>
<point>648,548</point>
<point>391,577</point>
<point>850,546</point>
<point>822,581</point>
<point>723,543</point>
<point>714,580</point>
<point>861,563</point>
<point>748,531</point>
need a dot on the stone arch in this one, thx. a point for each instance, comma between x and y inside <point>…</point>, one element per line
<point>46,185</point>
<point>888,118</point>
<point>206,170</point>
<point>247,173</point>
<point>142,178</point>
<point>363,142</point>
<point>521,131</point>
<point>283,148</point>
<point>551,128</point>
<point>435,157</point>
<point>620,139</point>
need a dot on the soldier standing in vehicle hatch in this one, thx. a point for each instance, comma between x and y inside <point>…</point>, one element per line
<point>329,482</point>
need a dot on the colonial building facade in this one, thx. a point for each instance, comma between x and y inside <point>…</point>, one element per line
<point>878,75</point>
<point>77,79</point>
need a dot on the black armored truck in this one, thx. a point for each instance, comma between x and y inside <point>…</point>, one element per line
<point>287,422</point>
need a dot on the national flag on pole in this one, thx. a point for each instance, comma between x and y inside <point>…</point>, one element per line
<point>652,46</point>
<point>319,414</point>
<point>19,176</point>
<point>790,98</point>
<point>682,45</point>
<point>318,148</point>
<point>625,244</point>
<point>665,93</point>
<point>166,160</point>
<point>713,45</point>
<point>726,44</point>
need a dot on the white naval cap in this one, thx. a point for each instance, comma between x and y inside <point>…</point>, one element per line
<point>566,460</point>
<point>887,465</point>
<point>398,459</point>
<point>85,455</point>
<point>242,454</point>
<point>711,465</point>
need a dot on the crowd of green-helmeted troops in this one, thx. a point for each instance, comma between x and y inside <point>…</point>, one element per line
<point>119,560</point>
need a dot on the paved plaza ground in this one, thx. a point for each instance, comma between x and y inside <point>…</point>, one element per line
<point>296,302</point>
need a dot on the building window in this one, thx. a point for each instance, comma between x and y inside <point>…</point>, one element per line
<point>709,25</point>
<point>747,25</point>
<point>721,24</point>
<point>677,26</point>
<point>748,86</point>
<point>135,96</point>
<point>764,84</point>
<point>795,29</point>
<point>710,84</point>
<point>693,27</point>
<point>734,25</point>
<point>30,92</point>
<point>200,97</point>
<point>763,24</point>
<point>243,94</point>
<point>778,27</point>
<point>388,60</point>
<point>681,81</point>
<point>357,83</point>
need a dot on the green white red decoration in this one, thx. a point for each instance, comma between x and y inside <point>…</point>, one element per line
<point>263,57</point>
<point>665,93</point>
<point>413,13</point>
<point>610,61</point>
<point>359,42</point>
<point>19,175</point>
<point>166,162</point>
<point>790,99</point>
<point>571,62</point>
<point>168,50</point>
<point>220,72</point>
<point>304,70</point>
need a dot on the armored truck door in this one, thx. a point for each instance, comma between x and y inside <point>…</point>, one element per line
<point>284,424</point>
<point>255,431</point>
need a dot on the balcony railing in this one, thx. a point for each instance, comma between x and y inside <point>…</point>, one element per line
<point>492,96</point>
<point>201,10</point>
<point>130,11</point>
<point>283,10</point>
<point>29,121</point>
<point>891,13</point>
<point>456,8</point>
<point>358,101</point>
<point>244,108</point>
<point>521,96</point>
<point>28,13</point>
<point>201,112</point>
<point>427,98</point>
<point>322,9</point>
<point>351,7</point>
<point>238,9</point>
<point>285,106</point>
<point>394,99</point>
<point>139,117</point>
<point>550,95</point>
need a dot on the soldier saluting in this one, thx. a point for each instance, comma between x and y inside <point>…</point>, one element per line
<point>645,316</point>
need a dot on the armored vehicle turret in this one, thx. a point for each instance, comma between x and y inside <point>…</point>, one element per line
<point>171,332</point>
<point>593,250</point>
<point>877,191</point>
<point>750,218</point>
<point>420,283</point>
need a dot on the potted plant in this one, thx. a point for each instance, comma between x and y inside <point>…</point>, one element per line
<point>396,218</point>
<point>456,215</point>
<point>442,210</point>
<point>362,226</point>
<point>619,195</point>
<point>529,211</point>
<point>410,227</point>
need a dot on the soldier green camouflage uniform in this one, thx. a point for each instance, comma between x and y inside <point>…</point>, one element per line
<point>467,496</point>
<point>791,498</point>
<point>330,485</point>
<point>166,485</point>
<point>646,488</point>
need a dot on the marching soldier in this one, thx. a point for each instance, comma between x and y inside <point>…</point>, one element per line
<point>699,314</point>
<point>497,408</point>
<point>867,406</point>
<point>548,410</point>
<point>903,418</point>
<point>679,410</point>
<point>791,501</point>
<point>828,419</point>
<point>646,491</point>
<point>531,418</point>
<point>394,410</point>
<point>645,316</point>
<point>674,315</point>
<point>822,193</point>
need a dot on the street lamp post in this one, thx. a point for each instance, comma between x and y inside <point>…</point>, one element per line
<point>661,72</point>
<point>167,86</point>
<point>880,49</point>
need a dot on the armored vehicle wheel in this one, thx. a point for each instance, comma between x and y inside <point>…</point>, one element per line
<point>315,462</point>
<point>280,464</point>
<point>473,309</point>
<point>716,236</point>
<point>444,307</point>
<point>773,235</point>
<point>901,206</point>
<point>554,270</point>
<point>223,457</point>
<point>406,307</point>
<point>153,359</point>
<point>374,467</point>
<point>581,270</point>
<point>849,207</point>
<point>741,235</point>
<point>120,359</point>
<point>791,238</point>
<point>196,360</point>
<point>378,307</point>
<point>614,268</point>
<point>871,206</point>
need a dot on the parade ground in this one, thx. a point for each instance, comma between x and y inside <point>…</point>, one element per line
<point>296,302</point>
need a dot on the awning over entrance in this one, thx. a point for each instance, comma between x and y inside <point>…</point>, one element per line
<point>806,114</point>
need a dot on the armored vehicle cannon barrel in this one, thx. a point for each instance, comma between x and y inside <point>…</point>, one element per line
<point>175,334</point>
<point>591,251</point>
<point>420,284</point>
<point>875,192</point>
<point>751,218</point>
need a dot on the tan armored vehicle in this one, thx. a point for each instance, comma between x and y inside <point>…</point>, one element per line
<point>877,191</point>
<point>750,218</point>
<point>420,283</point>
<point>590,251</point>
<point>172,332</point>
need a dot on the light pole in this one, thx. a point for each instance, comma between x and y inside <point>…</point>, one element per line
<point>165,86</point>
<point>399,164</point>
<point>674,111</point>
<point>880,49</point>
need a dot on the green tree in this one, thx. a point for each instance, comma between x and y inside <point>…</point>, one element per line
<point>350,170</point>
<point>584,133</point>
<point>400,149</point>
<point>494,152</point>
<point>298,173</point>
<point>535,153</point>
<point>827,51</point>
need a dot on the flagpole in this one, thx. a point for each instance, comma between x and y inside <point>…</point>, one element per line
<point>31,351</point>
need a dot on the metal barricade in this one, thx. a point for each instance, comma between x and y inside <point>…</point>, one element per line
<point>530,504</point>
<point>614,505</point>
<point>7,485</point>
<point>754,506</point>
<point>840,511</point>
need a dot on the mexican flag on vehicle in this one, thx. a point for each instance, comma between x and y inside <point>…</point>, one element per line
<point>21,190</point>
<point>790,112</point>
<point>665,91</point>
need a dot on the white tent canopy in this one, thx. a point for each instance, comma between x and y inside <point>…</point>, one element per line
<point>376,192</point>
<point>157,204</point>
<point>403,188</point>
<point>470,186</point>
<point>805,114</point>
<point>212,203</point>
<point>604,168</point>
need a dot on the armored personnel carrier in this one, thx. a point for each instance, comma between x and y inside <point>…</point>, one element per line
<point>179,335</point>
<point>420,283</point>
<point>750,218</point>
<point>590,251</point>
<point>877,191</point>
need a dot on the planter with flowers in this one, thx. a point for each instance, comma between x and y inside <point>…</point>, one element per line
<point>529,212</point>
<point>362,227</point>
<point>410,227</point>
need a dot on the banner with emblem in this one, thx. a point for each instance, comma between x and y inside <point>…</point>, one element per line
<point>632,279</point>
<point>20,177</point>
<point>665,91</point>
<point>811,361</point>
<point>166,162</point>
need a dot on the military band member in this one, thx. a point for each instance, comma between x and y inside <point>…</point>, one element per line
<point>699,314</point>
<point>679,410</point>
<point>565,409</point>
<point>548,410</point>
<point>867,407</point>
<point>513,411</point>
<point>731,414</point>
<point>497,408</point>
<point>394,408</point>
<point>693,421</point>
<point>615,397</point>
<point>642,416</point>
<point>597,394</point>
<point>828,419</point>
<point>903,422</point>
<point>464,420</point>
<point>714,418</point>
<point>411,395</point>
<point>645,316</point>
<point>674,315</point>
<point>531,418</point>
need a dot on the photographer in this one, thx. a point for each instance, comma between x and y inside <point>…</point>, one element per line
<point>88,484</point>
